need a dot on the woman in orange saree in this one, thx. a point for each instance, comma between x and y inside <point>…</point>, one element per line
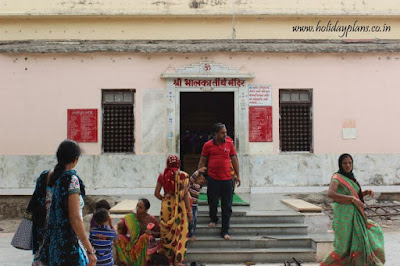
<point>175,209</point>
<point>358,241</point>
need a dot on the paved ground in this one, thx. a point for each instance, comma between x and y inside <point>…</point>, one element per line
<point>10,256</point>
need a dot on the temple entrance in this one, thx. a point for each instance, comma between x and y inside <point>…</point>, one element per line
<point>199,111</point>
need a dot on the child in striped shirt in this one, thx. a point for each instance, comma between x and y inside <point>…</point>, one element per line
<point>197,180</point>
<point>100,204</point>
<point>102,236</point>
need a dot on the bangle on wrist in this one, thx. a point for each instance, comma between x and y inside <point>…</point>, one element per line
<point>90,253</point>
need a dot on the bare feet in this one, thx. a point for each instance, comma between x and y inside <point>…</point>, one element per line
<point>193,238</point>
<point>227,237</point>
<point>211,224</point>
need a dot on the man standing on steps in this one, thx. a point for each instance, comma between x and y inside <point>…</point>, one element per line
<point>219,154</point>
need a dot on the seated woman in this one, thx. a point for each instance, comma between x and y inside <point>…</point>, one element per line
<point>358,240</point>
<point>134,235</point>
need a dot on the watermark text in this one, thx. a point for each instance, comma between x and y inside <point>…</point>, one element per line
<point>343,30</point>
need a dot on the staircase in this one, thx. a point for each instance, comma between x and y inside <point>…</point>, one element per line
<point>265,232</point>
<point>258,238</point>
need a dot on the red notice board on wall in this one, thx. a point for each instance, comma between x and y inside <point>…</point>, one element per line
<point>260,123</point>
<point>82,125</point>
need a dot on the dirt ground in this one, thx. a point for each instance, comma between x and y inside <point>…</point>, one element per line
<point>12,209</point>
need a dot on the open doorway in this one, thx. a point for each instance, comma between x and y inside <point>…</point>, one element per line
<point>199,111</point>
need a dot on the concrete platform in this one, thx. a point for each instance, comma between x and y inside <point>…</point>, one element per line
<point>301,205</point>
<point>260,204</point>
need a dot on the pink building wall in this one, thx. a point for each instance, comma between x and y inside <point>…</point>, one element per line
<point>36,90</point>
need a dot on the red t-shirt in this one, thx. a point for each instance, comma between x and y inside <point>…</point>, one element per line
<point>219,155</point>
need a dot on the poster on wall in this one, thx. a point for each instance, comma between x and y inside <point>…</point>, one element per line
<point>260,113</point>
<point>260,123</point>
<point>260,95</point>
<point>82,125</point>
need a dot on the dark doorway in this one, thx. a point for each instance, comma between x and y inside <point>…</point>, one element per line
<point>199,112</point>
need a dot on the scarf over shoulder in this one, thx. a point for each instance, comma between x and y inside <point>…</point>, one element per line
<point>61,245</point>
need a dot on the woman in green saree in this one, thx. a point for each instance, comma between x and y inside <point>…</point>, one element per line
<point>358,241</point>
<point>134,235</point>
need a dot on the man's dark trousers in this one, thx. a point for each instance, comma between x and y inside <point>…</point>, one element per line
<point>220,189</point>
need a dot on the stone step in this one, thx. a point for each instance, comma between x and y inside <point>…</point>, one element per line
<point>243,255</point>
<point>204,203</point>
<point>254,229</point>
<point>234,212</point>
<point>272,241</point>
<point>260,219</point>
<point>240,219</point>
<point>203,213</point>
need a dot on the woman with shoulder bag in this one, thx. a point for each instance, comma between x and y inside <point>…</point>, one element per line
<point>58,234</point>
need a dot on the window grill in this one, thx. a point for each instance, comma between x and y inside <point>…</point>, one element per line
<point>118,121</point>
<point>295,124</point>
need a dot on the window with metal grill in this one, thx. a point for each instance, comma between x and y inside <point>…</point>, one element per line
<point>118,121</point>
<point>295,122</point>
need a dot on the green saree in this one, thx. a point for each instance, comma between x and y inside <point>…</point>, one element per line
<point>132,250</point>
<point>358,241</point>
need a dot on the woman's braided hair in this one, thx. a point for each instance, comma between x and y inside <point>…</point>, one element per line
<point>67,152</point>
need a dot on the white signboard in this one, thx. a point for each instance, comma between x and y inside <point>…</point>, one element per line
<point>349,133</point>
<point>260,95</point>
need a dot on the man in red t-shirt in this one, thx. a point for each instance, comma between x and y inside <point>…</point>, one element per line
<point>220,153</point>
